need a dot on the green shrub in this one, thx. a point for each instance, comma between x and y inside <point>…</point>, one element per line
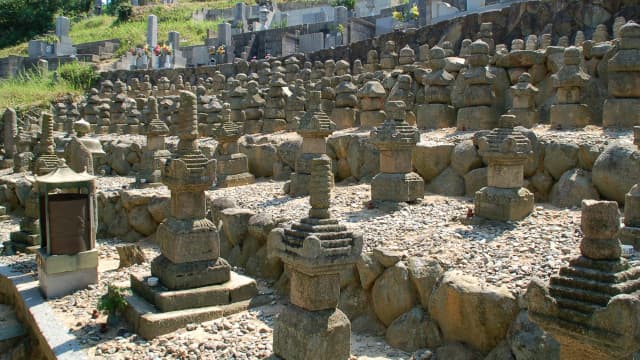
<point>79,76</point>
<point>124,12</point>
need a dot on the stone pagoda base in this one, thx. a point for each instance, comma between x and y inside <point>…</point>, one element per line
<point>435,116</point>
<point>233,170</point>
<point>60,275</point>
<point>344,117</point>
<point>397,187</point>
<point>372,118</point>
<point>318,335</point>
<point>155,311</point>
<point>476,118</point>
<point>503,204</point>
<point>525,118</point>
<point>569,116</point>
<point>621,113</point>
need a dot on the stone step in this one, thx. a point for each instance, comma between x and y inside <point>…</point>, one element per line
<point>586,284</point>
<point>581,295</point>
<point>580,306</point>
<point>589,274</point>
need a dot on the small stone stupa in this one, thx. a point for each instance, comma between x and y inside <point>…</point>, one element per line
<point>396,139</point>
<point>569,81</point>
<point>622,109</point>
<point>316,250</point>
<point>478,112</point>
<point>154,154</point>
<point>233,166</point>
<point>194,280</point>
<point>274,112</point>
<point>591,306</point>
<point>371,104</point>
<point>523,104</point>
<point>314,128</point>
<point>437,111</point>
<point>505,150</point>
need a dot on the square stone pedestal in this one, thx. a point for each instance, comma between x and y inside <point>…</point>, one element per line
<point>344,117</point>
<point>407,187</point>
<point>435,116</point>
<point>154,311</point>
<point>233,170</point>
<point>503,204</point>
<point>476,118</point>
<point>317,335</point>
<point>621,113</point>
<point>371,119</point>
<point>569,116</point>
<point>60,275</point>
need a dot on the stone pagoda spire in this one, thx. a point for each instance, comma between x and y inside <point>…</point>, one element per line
<point>315,249</point>
<point>46,160</point>
<point>395,140</point>
<point>315,126</point>
<point>591,306</point>
<point>154,154</point>
<point>505,150</point>
<point>233,166</point>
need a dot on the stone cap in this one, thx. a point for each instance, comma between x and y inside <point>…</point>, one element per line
<point>372,89</point>
<point>315,122</point>
<point>505,142</point>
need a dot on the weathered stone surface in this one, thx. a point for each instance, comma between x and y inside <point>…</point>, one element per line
<point>158,207</point>
<point>354,301</point>
<point>302,335</point>
<point>431,160</point>
<point>424,274</point>
<point>616,170</point>
<point>387,257</point>
<point>368,270</point>
<point>413,330</point>
<point>217,204</point>
<point>392,294</point>
<point>260,225</point>
<point>573,187</point>
<point>461,305</point>
<point>587,156</point>
<point>527,341</point>
<point>130,254</point>
<point>141,221</point>
<point>447,183</point>
<point>465,158</point>
<point>560,157</point>
<point>235,222</point>
<point>475,180</point>
<point>501,352</point>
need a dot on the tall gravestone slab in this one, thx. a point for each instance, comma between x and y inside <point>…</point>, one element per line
<point>152,31</point>
<point>64,46</point>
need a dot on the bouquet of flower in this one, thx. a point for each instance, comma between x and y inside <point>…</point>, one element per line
<point>221,50</point>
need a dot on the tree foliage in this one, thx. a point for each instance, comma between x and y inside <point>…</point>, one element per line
<point>21,20</point>
<point>349,4</point>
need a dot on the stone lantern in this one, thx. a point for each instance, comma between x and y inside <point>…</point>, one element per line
<point>506,150</point>
<point>67,259</point>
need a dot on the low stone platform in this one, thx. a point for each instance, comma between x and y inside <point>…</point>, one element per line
<point>156,311</point>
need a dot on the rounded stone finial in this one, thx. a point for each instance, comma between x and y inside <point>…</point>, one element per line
<point>436,53</point>
<point>81,127</point>
<point>524,78</point>
<point>479,47</point>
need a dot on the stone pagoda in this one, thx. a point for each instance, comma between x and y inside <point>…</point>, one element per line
<point>622,109</point>
<point>253,108</point>
<point>437,111</point>
<point>315,250</point>
<point>396,139</point>
<point>345,111</point>
<point>630,233</point>
<point>195,281</point>
<point>477,113</point>
<point>314,128</point>
<point>505,149</point>
<point>591,306</point>
<point>233,166</point>
<point>154,154</point>
<point>46,159</point>
<point>9,134</point>
<point>523,105</point>
<point>569,81</point>
<point>274,112</point>
<point>371,96</point>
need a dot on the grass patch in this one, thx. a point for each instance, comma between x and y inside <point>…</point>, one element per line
<point>33,88</point>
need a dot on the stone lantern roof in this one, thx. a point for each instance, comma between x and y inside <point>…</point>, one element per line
<point>229,131</point>
<point>505,142</point>
<point>315,122</point>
